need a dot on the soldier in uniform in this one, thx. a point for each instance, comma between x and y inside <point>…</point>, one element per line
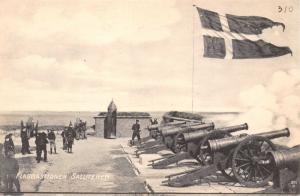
<point>25,142</point>
<point>10,171</point>
<point>70,135</point>
<point>63,135</point>
<point>9,145</point>
<point>83,128</point>
<point>136,132</point>
<point>41,146</point>
<point>52,137</point>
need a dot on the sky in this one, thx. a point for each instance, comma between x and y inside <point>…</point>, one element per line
<point>79,55</point>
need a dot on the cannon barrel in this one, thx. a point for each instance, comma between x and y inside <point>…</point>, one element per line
<point>156,126</point>
<point>165,129</point>
<point>275,134</point>
<point>219,144</point>
<point>187,137</point>
<point>188,128</point>
<point>285,158</point>
<point>181,119</point>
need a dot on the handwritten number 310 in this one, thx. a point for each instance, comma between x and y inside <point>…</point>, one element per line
<point>285,9</point>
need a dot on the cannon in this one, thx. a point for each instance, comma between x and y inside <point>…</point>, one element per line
<point>227,155</point>
<point>187,143</point>
<point>154,132</point>
<point>184,139</point>
<point>167,136</point>
<point>157,126</point>
<point>154,129</point>
<point>255,169</point>
<point>172,118</point>
<point>285,165</point>
<point>209,147</point>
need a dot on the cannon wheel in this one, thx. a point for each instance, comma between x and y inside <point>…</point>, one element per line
<point>168,141</point>
<point>226,169</point>
<point>153,134</point>
<point>179,148</point>
<point>203,156</point>
<point>246,161</point>
<point>172,145</point>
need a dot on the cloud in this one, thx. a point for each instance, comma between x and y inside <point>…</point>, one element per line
<point>78,55</point>
<point>92,23</point>
<point>258,96</point>
<point>275,105</point>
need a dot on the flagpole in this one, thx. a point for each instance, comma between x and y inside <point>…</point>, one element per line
<point>193,63</point>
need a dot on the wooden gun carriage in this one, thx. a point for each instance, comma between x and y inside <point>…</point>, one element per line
<point>237,157</point>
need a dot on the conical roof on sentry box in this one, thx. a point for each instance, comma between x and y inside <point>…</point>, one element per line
<point>112,107</point>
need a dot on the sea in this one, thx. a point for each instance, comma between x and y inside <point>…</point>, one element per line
<point>12,120</point>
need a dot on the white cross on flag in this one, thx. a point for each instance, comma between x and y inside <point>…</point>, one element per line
<point>239,47</point>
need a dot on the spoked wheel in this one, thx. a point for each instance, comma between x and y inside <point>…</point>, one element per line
<point>203,154</point>
<point>249,161</point>
<point>178,147</point>
<point>153,134</point>
<point>172,146</point>
<point>168,141</point>
<point>192,148</point>
<point>226,168</point>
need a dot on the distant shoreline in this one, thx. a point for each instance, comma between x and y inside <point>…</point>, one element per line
<point>96,112</point>
<point>60,119</point>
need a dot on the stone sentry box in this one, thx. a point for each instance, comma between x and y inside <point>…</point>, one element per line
<point>124,123</point>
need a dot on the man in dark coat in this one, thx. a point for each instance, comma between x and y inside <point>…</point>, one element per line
<point>136,132</point>
<point>63,135</point>
<point>25,142</point>
<point>70,135</point>
<point>9,145</point>
<point>52,137</point>
<point>10,171</point>
<point>41,146</point>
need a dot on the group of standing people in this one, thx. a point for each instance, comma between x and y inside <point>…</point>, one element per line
<point>9,167</point>
<point>80,129</point>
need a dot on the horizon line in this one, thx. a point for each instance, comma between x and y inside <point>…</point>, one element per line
<point>195,111</point>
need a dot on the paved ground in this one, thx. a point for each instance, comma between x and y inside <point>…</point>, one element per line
<point>96,165</point>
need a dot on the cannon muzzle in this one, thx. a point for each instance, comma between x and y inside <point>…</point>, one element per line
<point>285,158</point>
